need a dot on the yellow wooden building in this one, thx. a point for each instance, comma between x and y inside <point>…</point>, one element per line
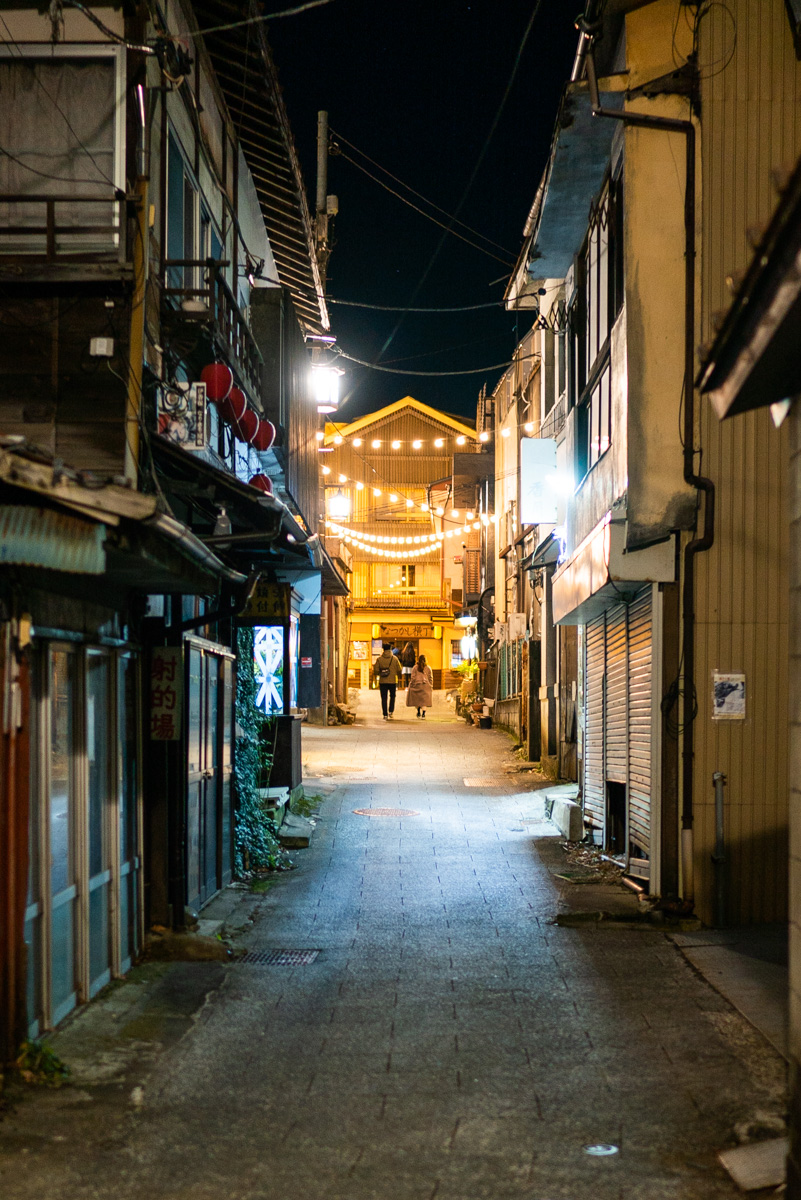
<point>387,496</point>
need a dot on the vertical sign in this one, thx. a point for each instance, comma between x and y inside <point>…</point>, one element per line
<point>166,693</point>
<point>538,499</point>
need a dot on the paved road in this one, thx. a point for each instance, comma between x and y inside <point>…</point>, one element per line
<point>449,1042</point>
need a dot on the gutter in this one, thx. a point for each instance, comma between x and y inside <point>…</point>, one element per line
<point>701,483</point>
<point>192,547</point>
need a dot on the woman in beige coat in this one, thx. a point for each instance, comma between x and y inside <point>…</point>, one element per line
<point>420,692</point>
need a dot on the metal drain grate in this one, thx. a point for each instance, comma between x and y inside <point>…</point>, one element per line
<point>385,812</point>
<point>277,958</point>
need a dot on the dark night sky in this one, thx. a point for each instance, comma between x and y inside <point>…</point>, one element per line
<point>416,86</point>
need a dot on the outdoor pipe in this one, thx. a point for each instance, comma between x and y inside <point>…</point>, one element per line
<point>700,482</point>
<point>719,857</point>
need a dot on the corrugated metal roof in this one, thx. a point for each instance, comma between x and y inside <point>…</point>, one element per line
<point>40,537</point>
<point>247,77</point>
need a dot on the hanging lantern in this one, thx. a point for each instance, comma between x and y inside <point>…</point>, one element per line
<point>218,379</point>
<point>246,428</point>
<point>234,407</point>
<point>265,436</point>
<point>263,483</point>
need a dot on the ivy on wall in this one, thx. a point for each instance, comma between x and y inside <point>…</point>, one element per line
<point>256,845</point>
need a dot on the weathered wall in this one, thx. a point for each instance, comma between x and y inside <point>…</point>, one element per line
<point>751,88</point>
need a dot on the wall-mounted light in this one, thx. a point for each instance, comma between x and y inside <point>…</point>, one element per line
<point>325,382</point>
<point>339,505</point>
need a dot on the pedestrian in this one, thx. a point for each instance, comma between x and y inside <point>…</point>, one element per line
<point>387,670</point>
<point>407,661</point>
<point>420,694</point>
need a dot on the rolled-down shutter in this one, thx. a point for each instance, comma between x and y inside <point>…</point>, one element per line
<point>639,679</point>
<point>615,714</point>
<point>594,788</point>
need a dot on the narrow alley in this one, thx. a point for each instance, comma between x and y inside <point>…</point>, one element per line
<point>449,1040</point>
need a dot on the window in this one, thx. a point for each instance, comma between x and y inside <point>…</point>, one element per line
<point>599,298</point>
<point>62,127</point>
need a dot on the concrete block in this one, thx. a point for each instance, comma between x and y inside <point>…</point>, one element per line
<point>568,817</point>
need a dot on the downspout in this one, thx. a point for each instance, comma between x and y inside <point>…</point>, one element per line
<point>700,482</point>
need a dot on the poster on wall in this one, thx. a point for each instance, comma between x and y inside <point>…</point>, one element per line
<point>728,696</point>
<point>359,651</point>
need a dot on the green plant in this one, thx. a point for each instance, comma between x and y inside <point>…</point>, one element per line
<point>256,845</point>
<point>304,806</point>
<point>38,1063</point>
<point>468,669</point>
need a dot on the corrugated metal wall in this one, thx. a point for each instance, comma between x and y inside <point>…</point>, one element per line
<point>751,123</point>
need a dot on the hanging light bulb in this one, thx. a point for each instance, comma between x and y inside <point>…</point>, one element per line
<point>416,444</point>
<point>338,439</point>
<point>326,470</point>
<point>410,503</point>
<point>343,479</point>
<point>396,445</point>
<point>357,441</point>
<point>392,498</point>
<point>439,443</point>
<point>461,440</point>
<point>484,436</point>
<point>319,435</point>
<point>376,491</point>
<point>376,443</point>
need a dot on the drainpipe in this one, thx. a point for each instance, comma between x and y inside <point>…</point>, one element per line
<point>699,482</point>
<point>719,857</point>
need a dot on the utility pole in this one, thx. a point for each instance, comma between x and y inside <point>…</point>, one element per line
<point>326,206</point>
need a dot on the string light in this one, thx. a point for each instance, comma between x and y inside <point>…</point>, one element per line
<point>326,470</point>
<point>376,443</point>
<point>416,444</point>
<point>396,445</point>
<point>319,435</point>
<point>357,441</point>
<point>394,498</point>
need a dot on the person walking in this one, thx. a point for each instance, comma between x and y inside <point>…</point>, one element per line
<point>420,694</point>
<point>407,661</point>
<point>387,670</point>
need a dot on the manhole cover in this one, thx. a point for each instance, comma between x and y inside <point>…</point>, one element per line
<point>480,781</point>
<point>385,812</point>
<point>278,958</point>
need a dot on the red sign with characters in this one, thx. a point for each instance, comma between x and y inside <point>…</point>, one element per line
<point>166,693</point>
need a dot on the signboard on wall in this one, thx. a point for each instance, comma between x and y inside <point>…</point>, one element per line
<point>407,631</point>
<point>268,605</point>
<point>538,498</point>
<point>358,651</point>
<point>166,693</point>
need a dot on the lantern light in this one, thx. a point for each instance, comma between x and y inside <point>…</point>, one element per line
<point>218,379</point>
<point>339,505</point>
<point>247,427</point>
<point>343,479</point>
<point>325,381</point>
<point>357,441</point>
<point>376,443</point>
<point>263,483</point>
<point>396,445</point>
<point>264,437</point>
<point>234,406</point>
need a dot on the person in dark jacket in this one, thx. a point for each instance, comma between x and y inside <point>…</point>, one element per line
<point>387,670</point>
<point>407,661</point>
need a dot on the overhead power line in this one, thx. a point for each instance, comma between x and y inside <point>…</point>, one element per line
<point>420,195</point>
<point>400,308</point>
<point>260,20</point>
<point>398,371</point>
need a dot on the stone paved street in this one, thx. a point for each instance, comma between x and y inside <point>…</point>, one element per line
<point>450,1042</point>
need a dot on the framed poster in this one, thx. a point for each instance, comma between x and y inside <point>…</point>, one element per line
<point>728,696</point>
<point>359,651</point>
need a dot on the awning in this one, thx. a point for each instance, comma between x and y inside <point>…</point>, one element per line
<point>557,224</point>
<point>755,359</point>
<point>546,554</point>
<point>601,573</point>
<point>57,541</point>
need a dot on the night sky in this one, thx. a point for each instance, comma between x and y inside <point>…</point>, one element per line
<point>416,86</point>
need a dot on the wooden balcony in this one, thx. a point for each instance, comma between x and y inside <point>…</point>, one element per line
<point>70,236</point>
<point>406,598</point>
<point>194,292</point>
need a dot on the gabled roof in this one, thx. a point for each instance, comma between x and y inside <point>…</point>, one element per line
<point>247,77</point>
<point>398,406</point>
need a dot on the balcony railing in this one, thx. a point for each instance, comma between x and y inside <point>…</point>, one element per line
<point>196,291</point>
<point>62,229</point>
<point>410,598</point>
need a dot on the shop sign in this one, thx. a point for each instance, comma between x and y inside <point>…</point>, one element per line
<point>166,693</point>
<point>407,631</point>
<point>268,605</point>
<point>305,662</point>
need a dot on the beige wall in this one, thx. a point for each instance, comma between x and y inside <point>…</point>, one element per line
<point>751,123</point>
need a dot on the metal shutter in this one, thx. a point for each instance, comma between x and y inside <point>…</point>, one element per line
<point>594,787</point>
<point>639,687</point>
<point>616,706</point>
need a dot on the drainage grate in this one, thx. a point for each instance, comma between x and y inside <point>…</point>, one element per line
<point>385,812</point>
<point>277,958</point>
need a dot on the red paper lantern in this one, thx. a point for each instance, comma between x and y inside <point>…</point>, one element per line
<point>246,428</point>
<point>218,379</point>
<point>265,436</point>
<point>263,483</point>
<point>234,407</point>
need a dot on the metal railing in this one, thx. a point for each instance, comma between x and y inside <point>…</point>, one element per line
<point>35,229</point>
<point>398,598</point>
<point>204,295</point>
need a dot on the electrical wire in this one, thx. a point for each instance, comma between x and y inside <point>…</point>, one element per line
<point>419,195</point>
<point>260,20</point>
<point>472,179</point>
<point>115,37</point>
<point>428,216</point>
<point>374,366</point>
<point>47,175</point>
<point>401,309</point>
